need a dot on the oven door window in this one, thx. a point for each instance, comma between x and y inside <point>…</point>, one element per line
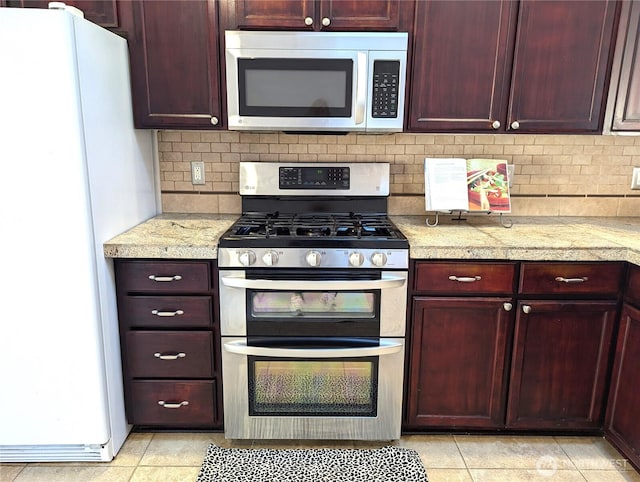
<point>314,387</point>
<point>312,304</point>
<point>290,87</point>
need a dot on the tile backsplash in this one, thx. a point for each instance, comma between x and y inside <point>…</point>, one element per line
<point>555,175</point>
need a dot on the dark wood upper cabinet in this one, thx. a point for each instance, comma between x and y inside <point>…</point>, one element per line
<point>325,15</point>
<point>461,65</point>
<point>175,73</point>
<point>102,12</point>
<point>624,95</point>
<point>562,58</point>
<point>528,66</point>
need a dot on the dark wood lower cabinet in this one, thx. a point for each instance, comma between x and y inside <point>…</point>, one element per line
<point>622,423</point>
<point>459,362</point>
<point>560,364</point>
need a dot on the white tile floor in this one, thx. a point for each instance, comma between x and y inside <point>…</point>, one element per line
<point>169,457</point>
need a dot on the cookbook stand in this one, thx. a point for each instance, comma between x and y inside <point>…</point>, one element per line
<point>504,222</point>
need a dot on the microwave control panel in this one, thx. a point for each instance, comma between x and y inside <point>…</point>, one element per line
<point>386,80</point>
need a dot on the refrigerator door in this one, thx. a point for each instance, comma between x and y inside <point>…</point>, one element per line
<point>72,169</point>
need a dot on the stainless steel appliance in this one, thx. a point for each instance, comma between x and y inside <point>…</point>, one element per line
<point>313,293</point>
<point>318,81</point>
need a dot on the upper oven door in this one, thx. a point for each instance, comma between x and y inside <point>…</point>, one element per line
<point>281,302</point>
<point>296,90</point>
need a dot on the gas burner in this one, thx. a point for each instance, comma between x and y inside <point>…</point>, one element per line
<point>313,231</point>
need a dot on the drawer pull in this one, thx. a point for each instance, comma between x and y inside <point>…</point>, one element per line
<point>560,279</point>
<point>170,357</point>
<point>164,404</point>
<point>167,313</point>
<point>465,279</point>
<point>165,279</point>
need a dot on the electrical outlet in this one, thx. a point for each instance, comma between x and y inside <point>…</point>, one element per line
<point>197,172</point>
<point>635,178</point>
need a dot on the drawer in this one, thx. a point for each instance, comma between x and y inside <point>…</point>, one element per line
<point>163,276</point>
<point>176,403</point>
<point>170,354</point>
<point>633,286</point>
<point>435,277</point>
<point>571,278</point>
<point>166,311</point>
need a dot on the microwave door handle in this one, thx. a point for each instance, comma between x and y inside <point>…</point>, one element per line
<point>387,281</point>
<point>385,347</point>
<point>361,87</point>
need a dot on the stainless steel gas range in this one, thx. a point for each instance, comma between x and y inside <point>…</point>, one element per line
<point>313,293</point>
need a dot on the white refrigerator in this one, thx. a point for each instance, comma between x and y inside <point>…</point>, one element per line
<point>73,173</point>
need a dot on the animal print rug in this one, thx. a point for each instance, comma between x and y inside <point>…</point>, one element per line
<point>386,464</point>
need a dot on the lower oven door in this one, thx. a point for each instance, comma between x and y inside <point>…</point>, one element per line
<point>313,388</point>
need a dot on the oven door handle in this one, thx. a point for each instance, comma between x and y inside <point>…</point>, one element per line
<point>240,347</point>
<point>387,281</point>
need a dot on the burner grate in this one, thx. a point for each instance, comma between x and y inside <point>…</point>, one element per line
<point>310,225</point>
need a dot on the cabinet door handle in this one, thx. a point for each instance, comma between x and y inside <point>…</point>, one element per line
<point>465,279</point>
<point>167,313</point>
<point>326,21</point>
<point>526,309</point>
<point>560,279</point>
<point>214,121</point>
<point>496,124</point>
<point>165,279</point>
<point>164,404</point>
<point>507,306</point>
<point>169,357</point>
<point>308,21</point>
<point>515,125</point>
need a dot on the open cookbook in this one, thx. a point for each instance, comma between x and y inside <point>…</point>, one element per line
<point>456,184</point>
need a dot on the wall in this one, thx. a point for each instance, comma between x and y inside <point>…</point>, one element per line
<point>555,175</point>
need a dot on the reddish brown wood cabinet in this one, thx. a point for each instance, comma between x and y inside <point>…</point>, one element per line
<point>562,345</point>
<point>622,424</point>
<point>624,95</point>
<point>102,12</point>
<point>460,344</point>
<point>501,66</point>
<point>170,343</point>
<point>175,72</point>
<point>319,15</point>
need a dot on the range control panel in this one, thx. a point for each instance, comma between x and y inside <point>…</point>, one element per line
<point>314,178</point>
<point>386,80</point>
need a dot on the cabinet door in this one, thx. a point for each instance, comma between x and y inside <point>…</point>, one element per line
<point>272,14</point>
<point>461,65</point>
<point>622,425</point>
<point>627,102</point>
<point>560,67</point>
<point>458,364</point>
<point>560,364</point>
<point>363,14</point>
<point>174,63</point>
<point>319,14</point>
<point>102,12</point>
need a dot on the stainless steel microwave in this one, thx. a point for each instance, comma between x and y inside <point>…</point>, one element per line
<point>316,81</point>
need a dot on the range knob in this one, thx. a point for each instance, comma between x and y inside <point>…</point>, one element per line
<point>270,258</point>
<point>356,259</point>
<point>313,258</point>
<point>247,258</point>
<point>379,259</point>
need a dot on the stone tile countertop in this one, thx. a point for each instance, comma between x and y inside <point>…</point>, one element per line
<point>195,236</point>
